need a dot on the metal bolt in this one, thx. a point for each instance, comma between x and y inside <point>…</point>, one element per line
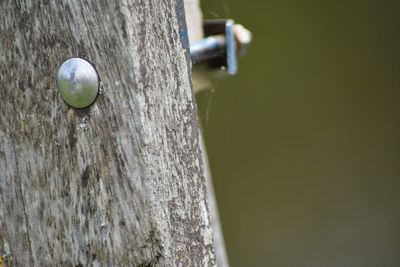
<point>224,43</point>
<point>78,82</point>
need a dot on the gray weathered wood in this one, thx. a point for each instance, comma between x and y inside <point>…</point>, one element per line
<point>119,183</point>
<point>194,20</point>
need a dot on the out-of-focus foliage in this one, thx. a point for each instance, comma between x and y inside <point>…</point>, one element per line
<point>304,142</point>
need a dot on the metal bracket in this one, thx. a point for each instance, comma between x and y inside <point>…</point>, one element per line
<point>223,43</point>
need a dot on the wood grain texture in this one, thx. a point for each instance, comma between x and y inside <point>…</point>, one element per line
<point>194,19</point>
<point>119,183</point>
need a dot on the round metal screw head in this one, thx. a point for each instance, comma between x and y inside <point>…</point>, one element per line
<point>78,82</point>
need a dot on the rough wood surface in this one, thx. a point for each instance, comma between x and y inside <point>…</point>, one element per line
<point>119,183</point>
<point>194,19</point>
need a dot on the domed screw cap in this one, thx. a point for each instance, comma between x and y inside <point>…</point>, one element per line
<point>78,82</point>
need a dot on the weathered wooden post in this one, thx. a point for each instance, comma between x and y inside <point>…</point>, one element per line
<point>119,183</point>
<point>194,20</point>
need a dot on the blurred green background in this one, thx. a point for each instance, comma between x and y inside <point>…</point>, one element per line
<point>304,141</point>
